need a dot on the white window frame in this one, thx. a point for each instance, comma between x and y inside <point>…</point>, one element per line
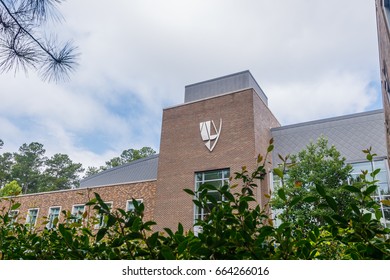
<point>13,215</point>
<point>101,218</point>
<point>224,179</point>
<point>78,215</point>
<point>50,216</point>
<point>130,202</point>
<point>29,216</point>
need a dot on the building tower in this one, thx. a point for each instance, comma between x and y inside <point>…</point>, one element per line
<point>383,25</point>
<point>223,125</point>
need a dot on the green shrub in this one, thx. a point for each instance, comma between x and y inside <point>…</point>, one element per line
<point>236,228</point>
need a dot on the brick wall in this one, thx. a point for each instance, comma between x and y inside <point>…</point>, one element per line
<point>245,132</point>
<point>384,59</point>
<point>118,194</point>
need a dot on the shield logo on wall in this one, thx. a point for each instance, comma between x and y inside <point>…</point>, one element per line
<point>210,133</point>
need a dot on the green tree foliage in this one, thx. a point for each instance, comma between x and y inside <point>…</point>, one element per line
<point>316,174</point>
<point>34,172</point>
<point>6,162</point>
<point>126,156</point>
<point>22,24</point>
<point>27,169</point>
<point>236,228</point>
<point>61,172</point>
<point>92,170</point>
<point>130,155</point>
<point>11,189</point>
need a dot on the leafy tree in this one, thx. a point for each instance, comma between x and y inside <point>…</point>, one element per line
<point>126,156</point>
<point>91,170</point>
<point>21,43</point>
<point>236,228</point>
<point>61,173</point>
<point>11,189</point>
<point>318,168</point>
<point>130,155</point>
<point>1,144</point>
<point>28,166</point>
<point>6,162</point>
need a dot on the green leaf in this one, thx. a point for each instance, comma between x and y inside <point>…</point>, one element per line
<point>65,233</point>
<point>278,172</point>
<point>228,196</point>
<point>15,206</point>
<point>270,148</point>
<point>152,240</point>
<point>367,217</point>
<point>310,199</point>
<point>312,236</point>
<point>212,199</point>
<point>180,228</point>
<point>351,188</point>
<point>282,194</point>
<point>295,200</point>
<point>331,202</point>
<point>242,207</point>
<point>370,190</point>
<point>190,192</point>
<point>167,253</point>
<point>169,231</point>
<point>340,219</point>
<point>375,172</point>
<point>100,234</point>
<point>321,191</point>
<point>355,208</point>
<point>329,220</point>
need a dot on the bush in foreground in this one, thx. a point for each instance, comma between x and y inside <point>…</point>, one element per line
<point>236,228</point>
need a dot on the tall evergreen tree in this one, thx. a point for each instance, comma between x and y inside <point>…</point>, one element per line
<point>28,166</point>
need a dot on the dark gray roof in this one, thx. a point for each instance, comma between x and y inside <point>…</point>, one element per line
<point>144,169</point>
<point>350,134</point>
<point>222,85</point>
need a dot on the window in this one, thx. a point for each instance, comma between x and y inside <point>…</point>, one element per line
<point>77,212</point>
<point>103,218</point>
<point>130,205</point>
<point>382,176</point>
<point>217,178</point>
<point>32,216</point>
<point>386,9</point>
<point>54,212</point>
<point>13,214</point>
<point>383,192</point>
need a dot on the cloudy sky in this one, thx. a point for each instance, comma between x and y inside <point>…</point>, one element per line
<point>313,59</point>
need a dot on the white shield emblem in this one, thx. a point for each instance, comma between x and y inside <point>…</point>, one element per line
<point>210,133</point>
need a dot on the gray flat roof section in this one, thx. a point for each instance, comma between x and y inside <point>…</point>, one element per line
<point>350,134</point>
<point>144,169</point>
<point>218,86</point>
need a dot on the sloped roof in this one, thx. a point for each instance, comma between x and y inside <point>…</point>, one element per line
<point>144,169</point>
<point>350,134</point>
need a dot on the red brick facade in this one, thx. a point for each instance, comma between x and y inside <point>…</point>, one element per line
<point>117,194</point>
<point>384,60</point>
<point>245,133</point>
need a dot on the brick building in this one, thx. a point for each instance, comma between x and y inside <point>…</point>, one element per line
<point>223,124</point>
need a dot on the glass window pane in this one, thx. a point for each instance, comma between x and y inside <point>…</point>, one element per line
<point>216,178</point>
<point>358,167</point>
<point>213,175</point>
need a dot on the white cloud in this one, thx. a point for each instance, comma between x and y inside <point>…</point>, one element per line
<point>138,55</point>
